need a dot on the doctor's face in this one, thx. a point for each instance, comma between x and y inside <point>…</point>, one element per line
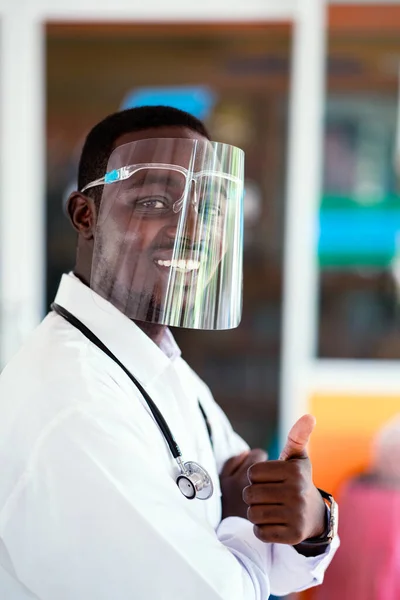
<point>148,245</point>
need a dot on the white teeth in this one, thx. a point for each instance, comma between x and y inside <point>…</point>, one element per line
<point>181,265</point>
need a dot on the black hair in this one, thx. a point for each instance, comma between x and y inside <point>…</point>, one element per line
<point>100,141</point>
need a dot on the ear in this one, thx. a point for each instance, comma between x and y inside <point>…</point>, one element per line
<point>82,211</point>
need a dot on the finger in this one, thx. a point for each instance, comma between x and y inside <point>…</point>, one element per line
<point>272,471</point>
<point>277,534</point>
<point>296,444</point>
<point>233,464</point>
<point>268,515</point>
<point>257,455</point>
<point>265,493</point>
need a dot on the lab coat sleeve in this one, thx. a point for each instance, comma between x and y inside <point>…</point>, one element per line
<point>97,517</point>
<point>289,566</point>
<point>290,571</point>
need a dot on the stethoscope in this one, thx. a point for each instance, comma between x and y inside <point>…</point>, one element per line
<point>193,480</point>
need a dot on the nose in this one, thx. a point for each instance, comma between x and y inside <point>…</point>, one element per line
<point>193,198</point>
<point>189,227</point>
<point>186,228</point>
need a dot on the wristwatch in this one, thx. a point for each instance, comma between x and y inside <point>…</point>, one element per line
<point>331,528</point>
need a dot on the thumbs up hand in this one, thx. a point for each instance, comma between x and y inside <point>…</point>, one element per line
<point>283,503</point>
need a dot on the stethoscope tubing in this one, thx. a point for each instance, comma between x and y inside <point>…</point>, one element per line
<point>158,417</point>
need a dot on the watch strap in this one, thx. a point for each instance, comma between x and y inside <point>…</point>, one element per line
<point>330,523</point>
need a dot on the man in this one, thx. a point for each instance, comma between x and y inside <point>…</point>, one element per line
<point>97,501</point>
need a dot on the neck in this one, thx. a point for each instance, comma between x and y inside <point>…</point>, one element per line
<point>153,330</point>
<point>82,275</point>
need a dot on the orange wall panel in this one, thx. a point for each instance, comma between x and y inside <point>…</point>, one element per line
<point>340,444</point>
<point>346,424</point>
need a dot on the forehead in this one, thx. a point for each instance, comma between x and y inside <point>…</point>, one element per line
<point>172,145</point>
<point>158,132</point>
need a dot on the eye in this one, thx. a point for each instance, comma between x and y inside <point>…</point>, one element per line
<point>153,203</point>
<point>212,210</point>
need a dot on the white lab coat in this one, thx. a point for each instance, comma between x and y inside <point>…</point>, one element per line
<point>89,507</point>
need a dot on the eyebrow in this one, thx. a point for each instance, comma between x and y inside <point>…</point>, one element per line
<point>153,176</point>
<point>223,189</point>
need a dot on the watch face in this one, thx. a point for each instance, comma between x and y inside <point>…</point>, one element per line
<point>334,520</point>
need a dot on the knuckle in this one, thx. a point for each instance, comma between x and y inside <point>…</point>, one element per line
<point>296,468</point>
<point>250,472</point>
<point>255,470</point>
<point>297,531</point>
<point>241,481</point>
<point>252,514</point>
<point>296,536</point>
<point>303,480</point>
<point>298,498</point>
<point>297,486</point>
<point>262,533</point>
<point>301,502</point>
<point>247,494</point>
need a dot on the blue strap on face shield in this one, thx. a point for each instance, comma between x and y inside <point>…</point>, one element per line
<point>112,176</point>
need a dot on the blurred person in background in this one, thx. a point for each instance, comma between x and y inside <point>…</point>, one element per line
<point>367,565</point>
<point>97,500</point>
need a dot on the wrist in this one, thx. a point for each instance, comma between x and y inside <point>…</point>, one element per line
<point>317,544</point>
<point>331,524</point>
<point>320,518</point>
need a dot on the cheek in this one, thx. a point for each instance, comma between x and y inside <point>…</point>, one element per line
<point>122,232</point>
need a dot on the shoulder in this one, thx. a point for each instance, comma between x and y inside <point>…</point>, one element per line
<point>56,362</point>
<point>55,373</point>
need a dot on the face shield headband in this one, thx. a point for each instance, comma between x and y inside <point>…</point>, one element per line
<point>169,233</point>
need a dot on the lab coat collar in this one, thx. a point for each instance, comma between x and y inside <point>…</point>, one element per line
<point>137,352</point>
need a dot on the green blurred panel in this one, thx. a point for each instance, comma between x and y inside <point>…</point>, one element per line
<point>358,234</point>
<point>335,201</point>
<point>351,261</point>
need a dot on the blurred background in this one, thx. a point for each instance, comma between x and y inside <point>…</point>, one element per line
<point>312,96</point>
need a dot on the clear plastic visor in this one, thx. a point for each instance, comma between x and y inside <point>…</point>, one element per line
<point>168,241</point>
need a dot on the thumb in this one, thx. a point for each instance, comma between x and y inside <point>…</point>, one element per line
<point>296,444</point>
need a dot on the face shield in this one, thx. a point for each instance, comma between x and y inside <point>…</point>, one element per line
<point>168,240</point>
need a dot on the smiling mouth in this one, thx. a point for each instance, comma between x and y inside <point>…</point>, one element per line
<point>181,265</point>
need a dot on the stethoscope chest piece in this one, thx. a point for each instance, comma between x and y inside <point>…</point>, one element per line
<point>195,482</point>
